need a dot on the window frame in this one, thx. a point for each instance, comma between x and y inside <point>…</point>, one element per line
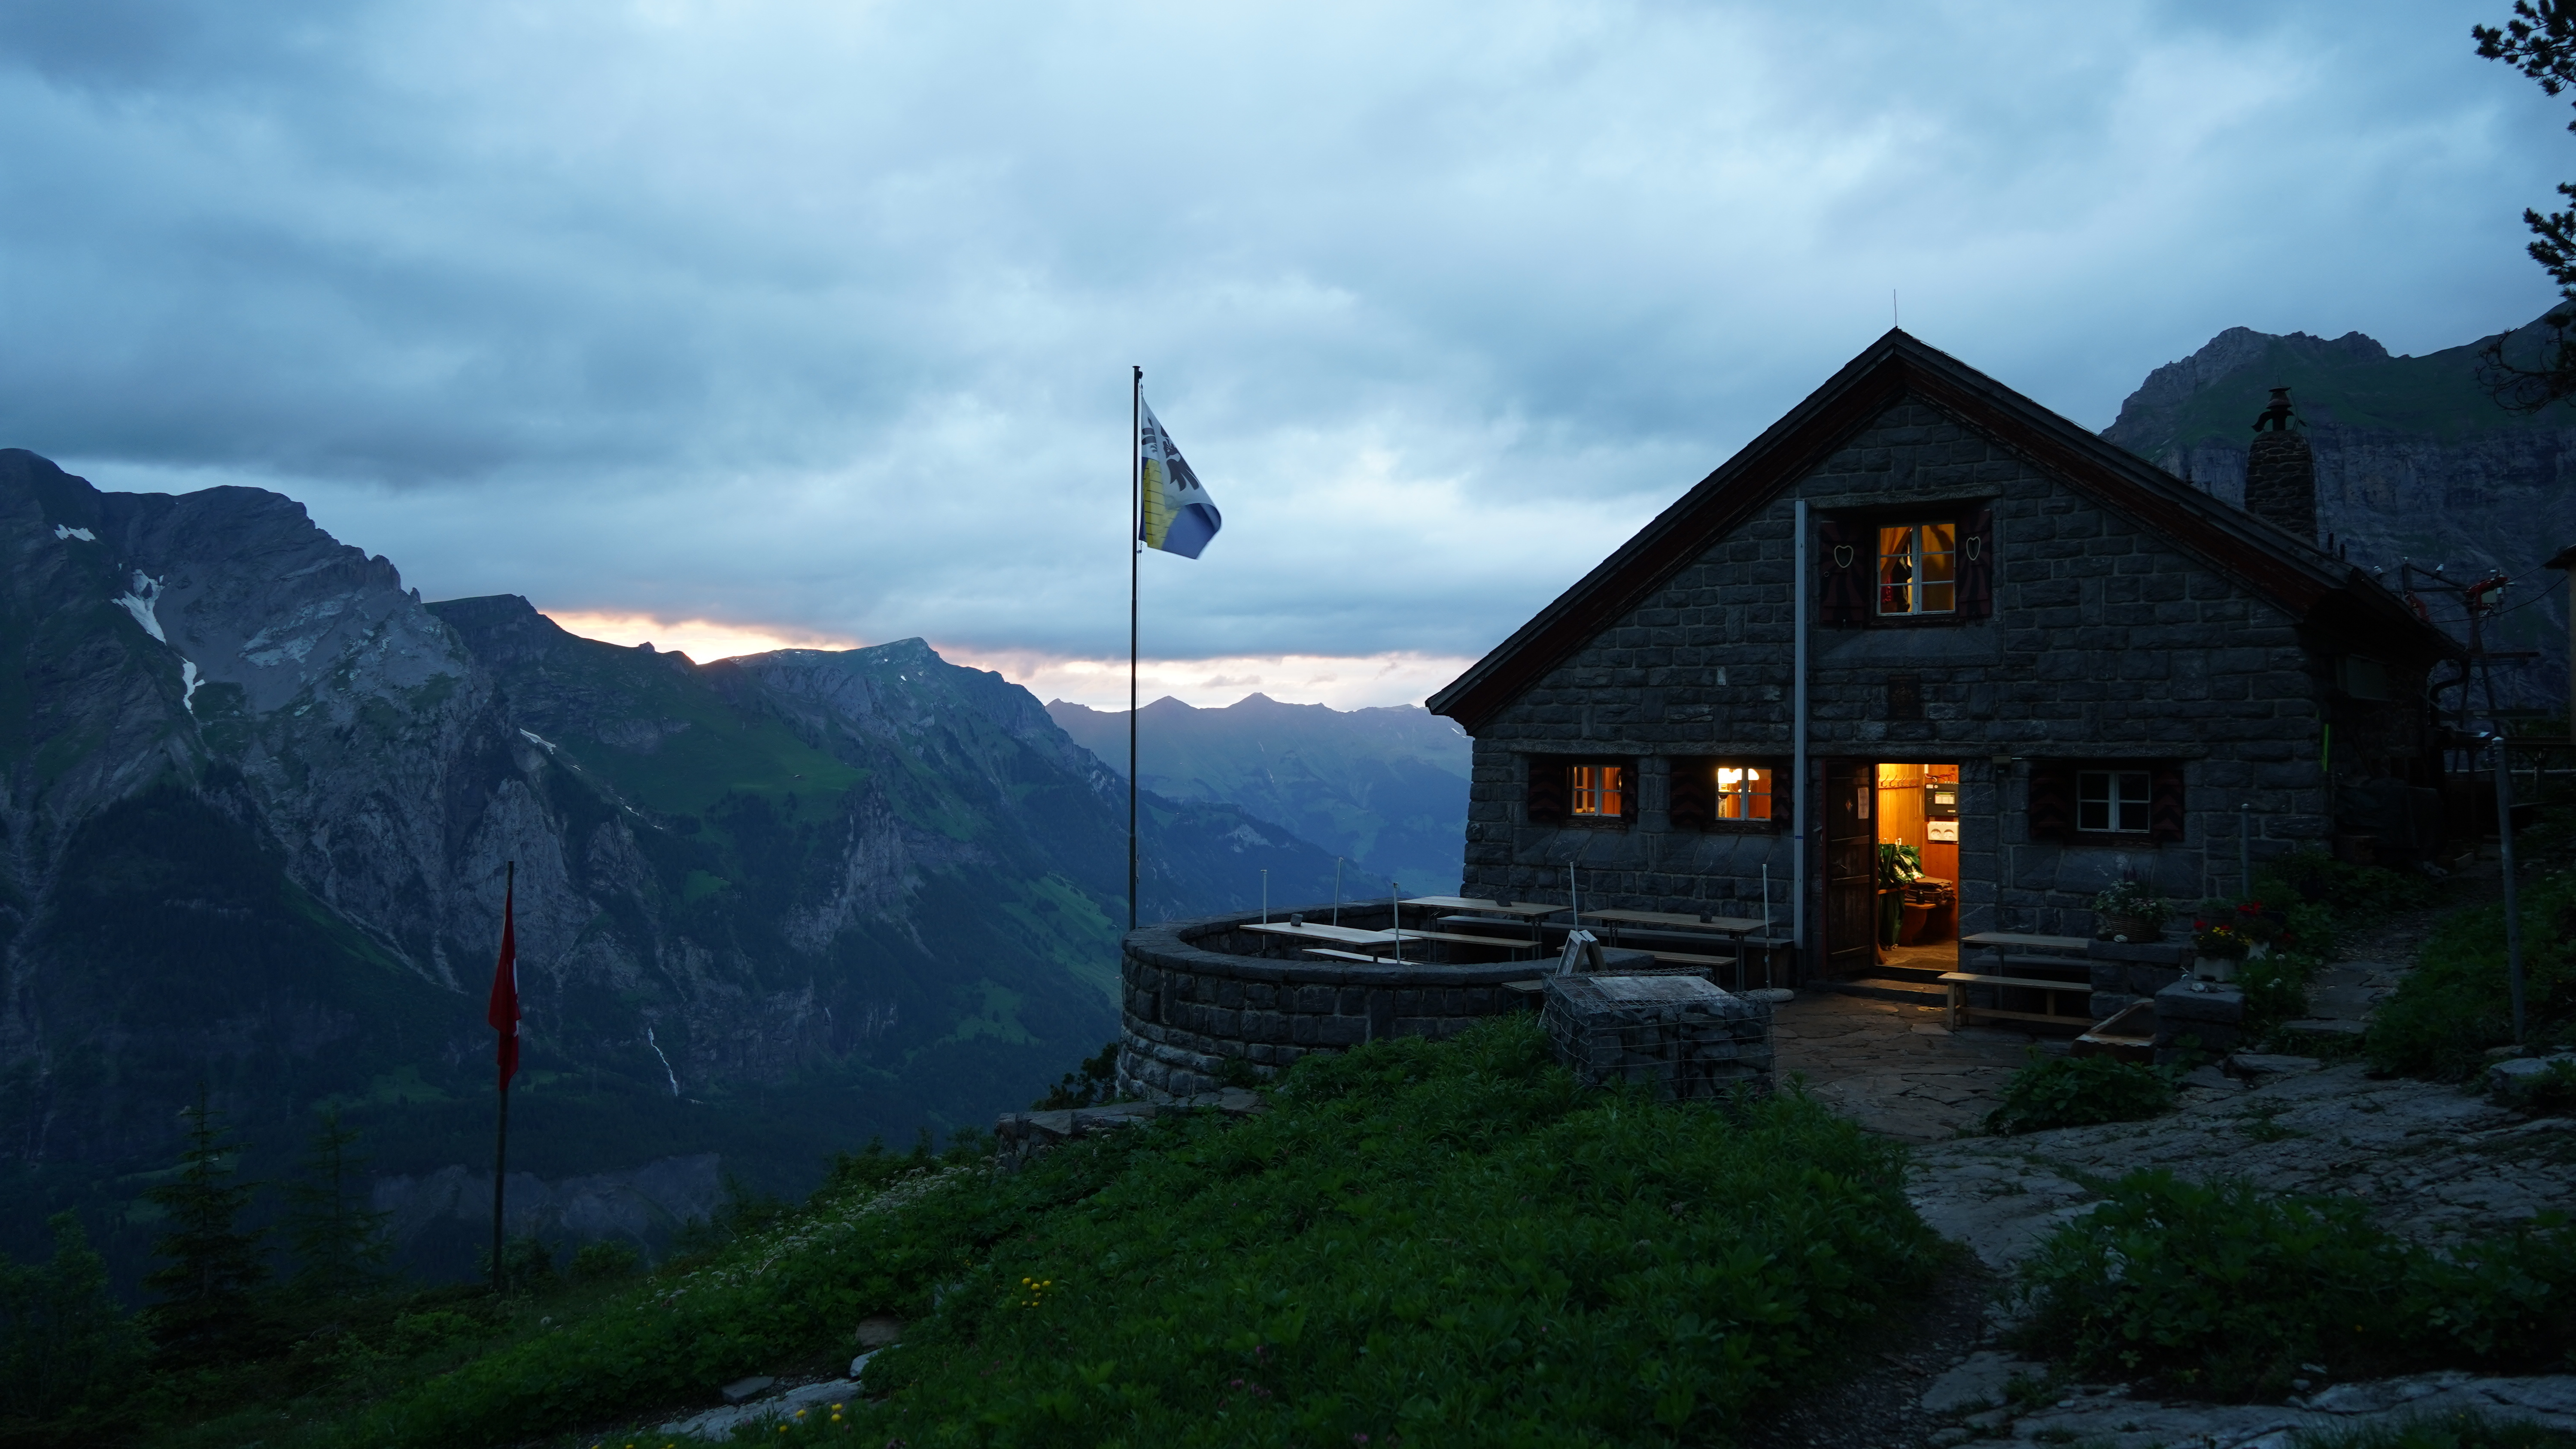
<point>2115,799</point>
<point>1559,772</point>
<point>1774,771</point>
<point>1917,586</point>
<point>1769,794</point>
<point>1848,562</point>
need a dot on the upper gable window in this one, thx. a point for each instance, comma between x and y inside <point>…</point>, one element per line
<point>1926,566</point>
<point>1918,568</point>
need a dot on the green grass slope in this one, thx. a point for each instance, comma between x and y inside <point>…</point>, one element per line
<point>1450,1243</point>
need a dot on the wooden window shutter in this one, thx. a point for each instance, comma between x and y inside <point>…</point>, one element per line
<point>2052,801</point>
<point>2165,805</point>
<point>1690,792</point>
<point>1845,562</point>
<point>1784,790</point>
<point>1547,781</point>
<point>1628,791</point>
<point>1976,566</point>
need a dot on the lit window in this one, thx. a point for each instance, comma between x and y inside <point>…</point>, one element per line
<point>1743,792</point>
<point>2113,802</point>
<point>1596,790</point>
<point>1918,567</point>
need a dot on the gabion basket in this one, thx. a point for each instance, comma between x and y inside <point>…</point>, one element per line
<point>1681,1035</point>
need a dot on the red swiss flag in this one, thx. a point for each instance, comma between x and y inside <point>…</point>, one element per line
<point>504,1014</point>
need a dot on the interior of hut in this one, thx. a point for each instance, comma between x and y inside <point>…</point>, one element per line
<point>1918,850</point>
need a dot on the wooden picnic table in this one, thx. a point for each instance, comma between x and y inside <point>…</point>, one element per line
<point>1377,943</point>
<point>1733,928</point>
<point>1530,909</point>
<point>2006,939</point>
<point>1723,925</point>
<point>1348,935</point>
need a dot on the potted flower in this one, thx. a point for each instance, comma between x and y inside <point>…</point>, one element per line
<point>1899,865</point>
<point>2262,928</point>
<point>2221,944</point>
<point>2131,912</point>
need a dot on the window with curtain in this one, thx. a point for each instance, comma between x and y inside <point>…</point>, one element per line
<point>1918,569</point>
<point>1598,792</point>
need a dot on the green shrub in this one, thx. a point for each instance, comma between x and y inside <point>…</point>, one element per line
<point>2351,892</point>
<point>1093,1082</point>
<point>1450,1241</point>
<point>414,1334</point>
<point>527,1265</point>
<point>2552,1093</point>
<point>2447,1431</point>
<point>2079,1092</point>
<point>606,1258</point>
<point>2224,1288</point>
<point>2276,990</point>
<point>2457,1002</point>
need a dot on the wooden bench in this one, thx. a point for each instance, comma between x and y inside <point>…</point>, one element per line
<point>1329,954</point>
<point>1958,983</point>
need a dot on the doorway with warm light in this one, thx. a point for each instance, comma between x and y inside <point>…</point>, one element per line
<point>1917,885</point>
<point>1891,869</point>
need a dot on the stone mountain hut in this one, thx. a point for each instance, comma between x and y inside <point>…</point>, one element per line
<point>1923,610</point>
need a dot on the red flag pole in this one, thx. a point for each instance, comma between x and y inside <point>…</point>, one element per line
<point>504,1016</point>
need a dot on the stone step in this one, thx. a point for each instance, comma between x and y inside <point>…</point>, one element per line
<point>1885,988</point>
<point>1893,972</point>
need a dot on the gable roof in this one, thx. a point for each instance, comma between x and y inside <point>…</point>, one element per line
<point>2292,572</point>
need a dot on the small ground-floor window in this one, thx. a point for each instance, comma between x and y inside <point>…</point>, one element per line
<point>2106,802</point>
<point>2112,801</point>
<point>1741,792</point>
<point>1597,790</point>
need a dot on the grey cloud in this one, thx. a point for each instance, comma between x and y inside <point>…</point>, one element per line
<point>820,315</point>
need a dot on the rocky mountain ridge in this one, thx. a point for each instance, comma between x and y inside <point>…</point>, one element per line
<point>2414,462</point>
<point>259,797</point>
<point>1384,787</point>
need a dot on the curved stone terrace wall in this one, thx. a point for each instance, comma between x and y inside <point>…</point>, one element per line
<point>1201,993</point>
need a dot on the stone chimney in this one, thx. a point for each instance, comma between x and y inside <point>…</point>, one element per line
<point>2281,471</point>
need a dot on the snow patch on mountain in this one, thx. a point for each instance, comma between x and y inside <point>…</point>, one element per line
<point>145,593</point>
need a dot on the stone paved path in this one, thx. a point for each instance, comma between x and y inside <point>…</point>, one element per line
<point>1895,1069</point>
<point>2434,1160</point>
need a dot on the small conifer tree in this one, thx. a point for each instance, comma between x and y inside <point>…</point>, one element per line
<point>339,1242</point>
<point>211,1267</point>
<point>64,1342</point>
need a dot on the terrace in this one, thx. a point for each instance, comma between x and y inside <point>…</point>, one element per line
<point>1225,999</point>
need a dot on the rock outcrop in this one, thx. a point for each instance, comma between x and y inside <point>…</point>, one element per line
<point>2414,461</point>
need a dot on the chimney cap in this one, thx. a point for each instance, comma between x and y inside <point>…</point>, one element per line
<point>2276,414</point>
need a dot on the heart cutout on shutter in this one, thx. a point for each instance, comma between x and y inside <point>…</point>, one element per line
<point>1842,556</point>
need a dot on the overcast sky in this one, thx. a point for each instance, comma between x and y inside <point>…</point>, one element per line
<point>732,324</point>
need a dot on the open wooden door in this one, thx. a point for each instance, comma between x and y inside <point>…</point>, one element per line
<point>1851,867</point>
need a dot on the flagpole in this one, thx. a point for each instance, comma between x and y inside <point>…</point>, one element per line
<point>1135,565</point>
<point>501,1138</point>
